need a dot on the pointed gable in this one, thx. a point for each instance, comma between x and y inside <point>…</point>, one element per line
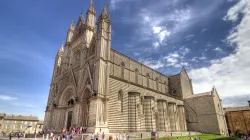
<point>184,72</point>
<point>80,21</point>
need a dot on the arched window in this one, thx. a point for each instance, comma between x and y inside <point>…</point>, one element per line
<point>136,76</point>
<point>122,70</point>
<point>120,98</point>
<point>157,83</point>
<point>148,80</point>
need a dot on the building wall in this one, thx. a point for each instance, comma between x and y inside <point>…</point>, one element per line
<point>118,106</point>
<point>220,113</point>
<point>186,84</point>
<point>130,66</point>
<point>19,125</point>
<point>202,115</point>
<point>238,121</point>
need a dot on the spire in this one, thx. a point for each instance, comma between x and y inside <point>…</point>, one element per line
<point>61,50</point>
<point>72,25</point>
<point>91,8</point>
<point>80,20</point>
<point>105,14</point>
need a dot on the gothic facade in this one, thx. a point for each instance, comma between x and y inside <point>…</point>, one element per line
<point>93,85</point>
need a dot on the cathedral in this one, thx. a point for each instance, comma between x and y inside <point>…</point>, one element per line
<point>98,87</point>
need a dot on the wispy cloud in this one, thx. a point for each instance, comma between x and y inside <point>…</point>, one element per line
<point>7,98</point>
<point>229,74</point>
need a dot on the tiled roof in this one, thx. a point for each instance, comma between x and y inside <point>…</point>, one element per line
<point>21,118</point>
<point>40,122</point>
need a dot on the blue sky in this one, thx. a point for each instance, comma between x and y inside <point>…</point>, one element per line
<point>209,37</point>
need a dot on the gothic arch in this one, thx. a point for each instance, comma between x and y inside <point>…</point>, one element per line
<point>87,92</point>
<point>68,93</point>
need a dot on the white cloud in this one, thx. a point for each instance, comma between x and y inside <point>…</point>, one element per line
<point>152,63</point>
<point>183,50</point>
<point>218,49</point>
<point>190,36</point>
<point>156,30</point>
<point>230,75</point>
<point>136,53</point>
<point>156,44</point>
<point>203,30</point>
<point>153,26</point>
<point>7,98</point>
<point>234,12</point>
<point>202,58</point>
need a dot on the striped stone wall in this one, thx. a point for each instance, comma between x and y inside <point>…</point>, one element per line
<point>133,108</point>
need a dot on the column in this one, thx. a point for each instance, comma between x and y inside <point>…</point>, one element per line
<point>133,111</point>
<point>77,115</point>
<point>179,118</point>
<point>184,123</point>
<point>166,117</point>
<point>171,113</point>
<point>148,107</point>
<point>161,123</point>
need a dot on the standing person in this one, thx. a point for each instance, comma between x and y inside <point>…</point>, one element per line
<point>124,136</point>
<point>103,136</point>
<point>10,136</point>
<point>120,136</point>
<point>92,137</point>
<point>177,138</point>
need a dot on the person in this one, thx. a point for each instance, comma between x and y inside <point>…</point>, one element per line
<point>124,136</point>
<point>99,134</point>
<point>177,138</point>
<point>110,137</point>
<point>71,137</point>
<point>92,137</point>
<point>10,136</point>
<point>103,136</point>
<point>195,138</point>
<point>18,135</point>
<point>120,136</point>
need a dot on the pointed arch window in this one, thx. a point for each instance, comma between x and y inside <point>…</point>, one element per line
<point>122,70</point>
<point>148,77</point>
<point>157,83</point>
<point>120,98</point>
<point>136,76</point>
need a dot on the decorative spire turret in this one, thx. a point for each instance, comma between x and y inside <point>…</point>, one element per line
<point>61,50</point>
<point>91,8</point>
<point>104,15</point>
<point>80,20</point>
<point>70,32</point>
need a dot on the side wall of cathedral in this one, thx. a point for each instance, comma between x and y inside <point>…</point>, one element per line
<point>139,99</point>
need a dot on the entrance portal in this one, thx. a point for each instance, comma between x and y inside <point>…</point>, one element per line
<point>69,119</point>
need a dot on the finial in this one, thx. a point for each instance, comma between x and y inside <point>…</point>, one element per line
<point>81,11</point>
<point>91,1</point>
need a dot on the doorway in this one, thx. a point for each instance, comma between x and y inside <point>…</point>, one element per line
<point>69,119</point>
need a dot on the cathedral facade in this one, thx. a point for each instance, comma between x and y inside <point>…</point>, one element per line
<point>93,85</point>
